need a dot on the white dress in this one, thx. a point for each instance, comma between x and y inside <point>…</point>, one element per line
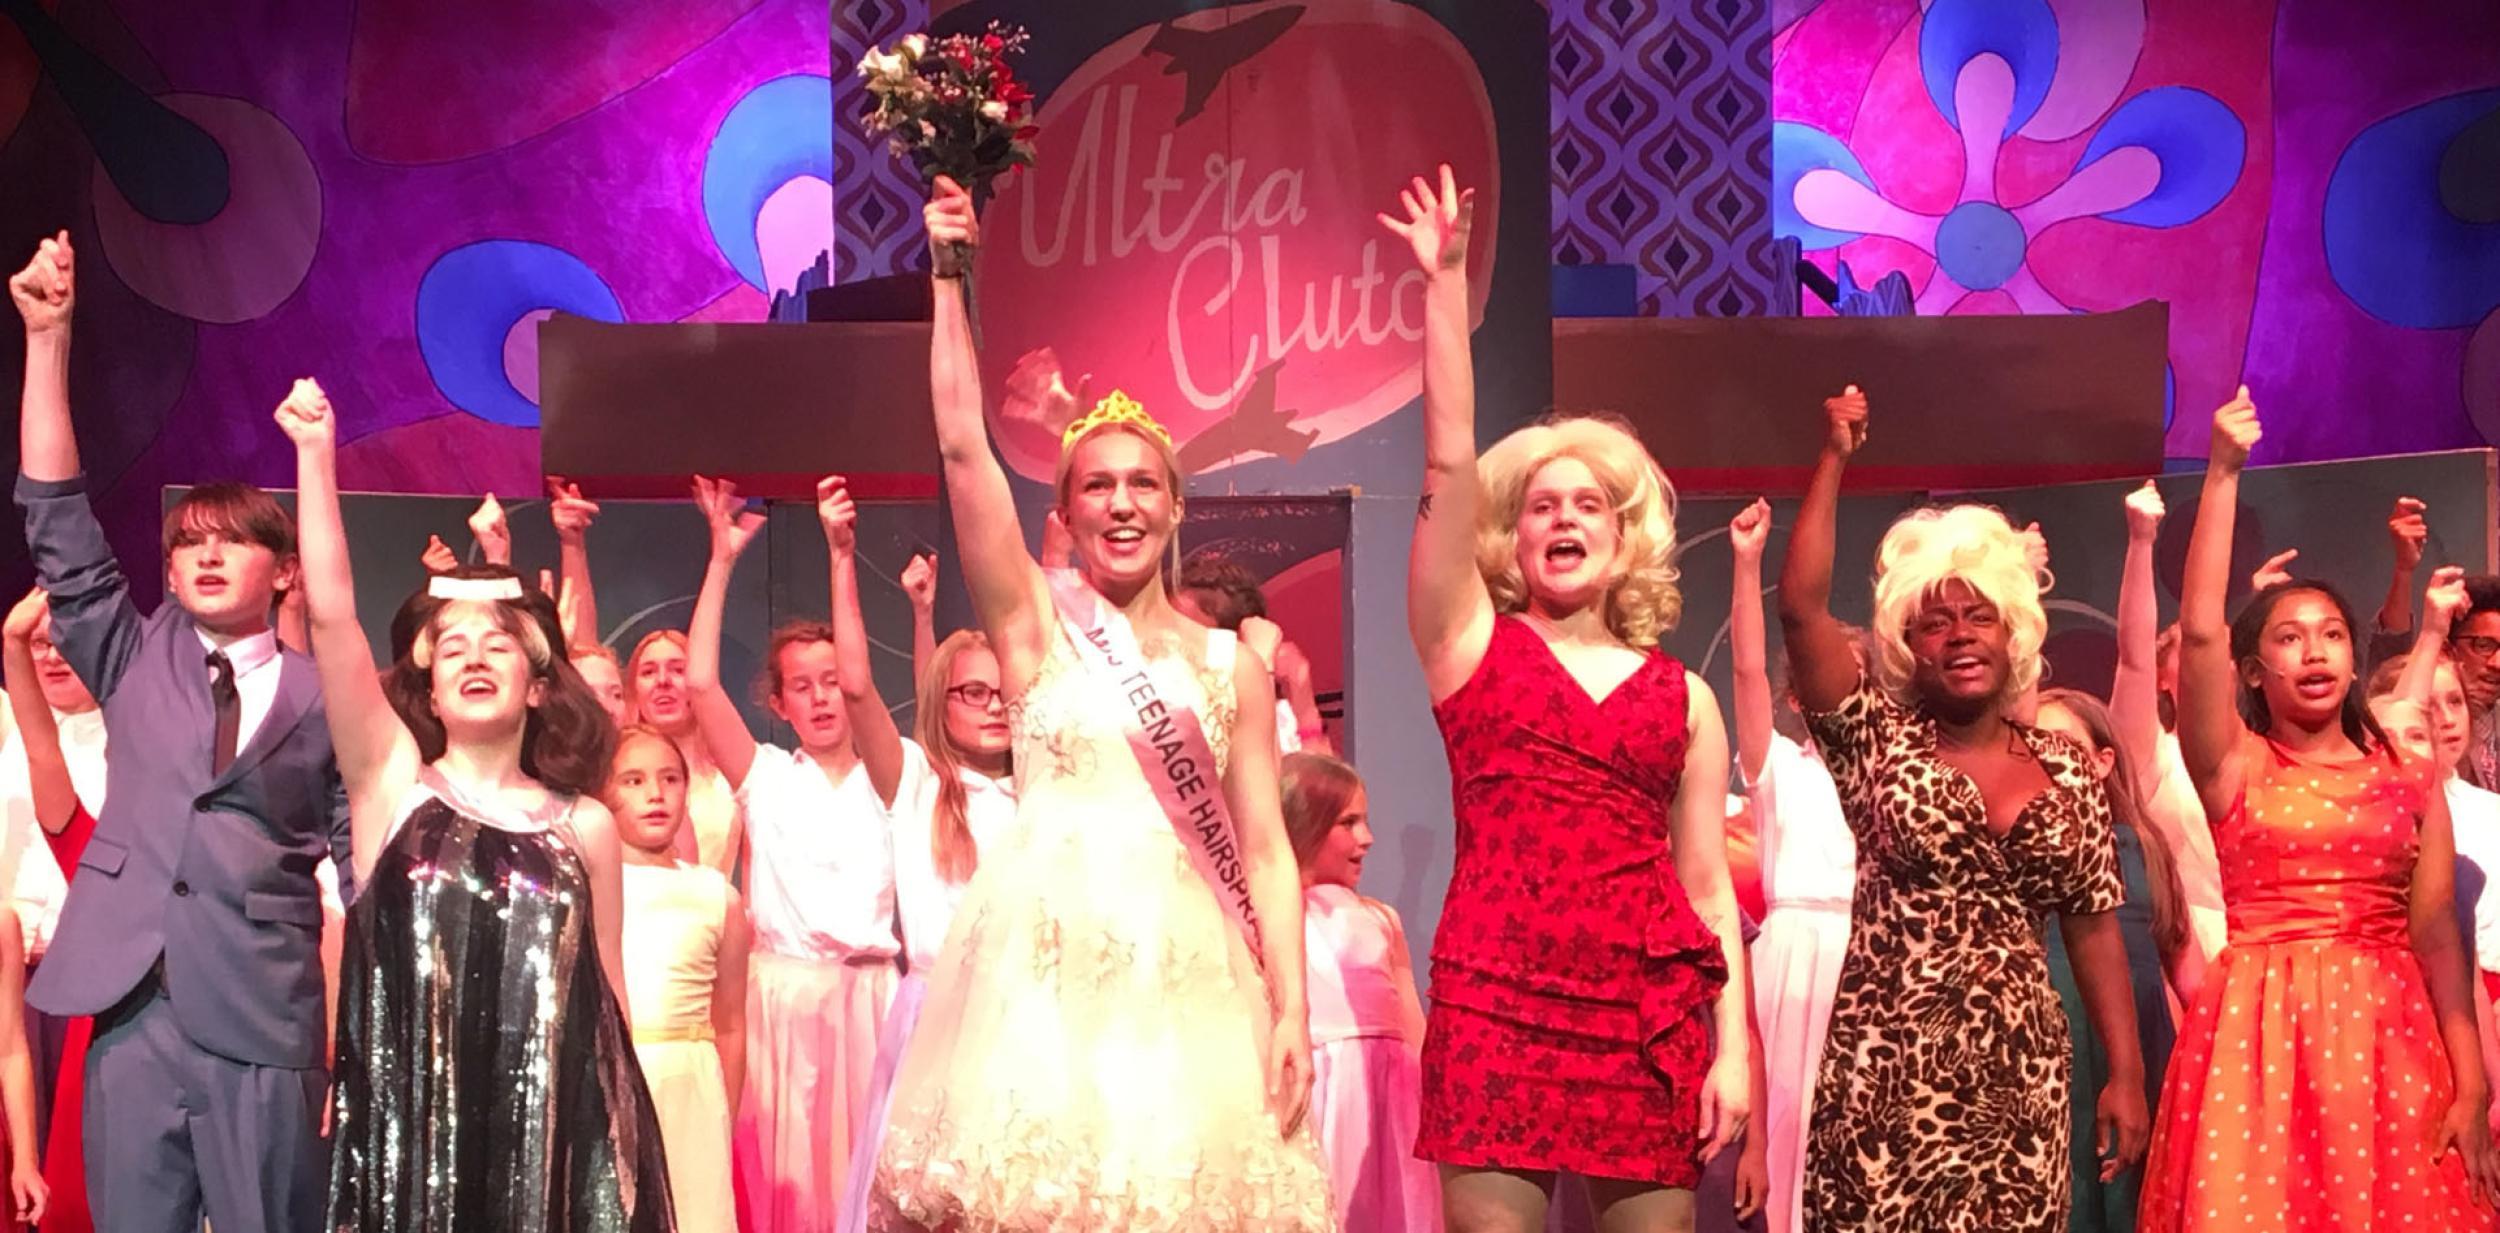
<point>673,923</point>
<point>1091,1050</point>
<point>1809,873</point>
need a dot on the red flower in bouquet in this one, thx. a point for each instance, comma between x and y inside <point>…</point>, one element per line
<point>953,106</point>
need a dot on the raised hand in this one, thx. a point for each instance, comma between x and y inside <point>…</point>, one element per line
<point>45,290</point>
<point>838,514</point>
<point>2409,531</point>
<point>566,508</point>
<point>2236,431</point>
<point>1750,530</point>
<point>439,558</point>
<point>954,230</point>
<point>1037,393</point>
<point>2276,571</point>
<point>2145,512</point>
<point>733,524</point>
<point>1844,420</point>
<point>27,616</point>
<point>2444,602</point>
<point>306,419</point>
<point>492,533</point>
<point>920,581</point>
<point>1291,666</point>
<point>1436,223</point>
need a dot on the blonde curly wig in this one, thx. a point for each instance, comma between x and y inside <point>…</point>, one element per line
<point>1642,601</point>
<point>1974,544</point>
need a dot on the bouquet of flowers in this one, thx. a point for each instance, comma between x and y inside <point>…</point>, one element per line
<point>953,105</point>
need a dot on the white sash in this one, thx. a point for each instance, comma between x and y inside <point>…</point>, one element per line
<point>1170,745</point>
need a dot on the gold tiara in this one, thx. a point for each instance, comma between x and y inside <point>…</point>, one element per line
<point>1117,408</point>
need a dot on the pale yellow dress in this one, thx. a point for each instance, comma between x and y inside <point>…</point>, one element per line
<point>1090,1055</point>
<point>674,920</point>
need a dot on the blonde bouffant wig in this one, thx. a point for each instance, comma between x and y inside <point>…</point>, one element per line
<point>1642,602</point>
<point>1975,545</point>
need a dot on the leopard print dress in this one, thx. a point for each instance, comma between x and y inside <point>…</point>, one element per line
<point>1943,1100</point>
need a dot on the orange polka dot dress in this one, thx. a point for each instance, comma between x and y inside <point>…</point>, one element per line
<point>2305,1091</point>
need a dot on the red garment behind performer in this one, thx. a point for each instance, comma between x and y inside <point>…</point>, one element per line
<point>1572,981</point>
<point>64,1162</point>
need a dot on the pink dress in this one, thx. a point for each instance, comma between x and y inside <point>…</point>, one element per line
<point>2304,1092</point>
<point>1367,1031</point>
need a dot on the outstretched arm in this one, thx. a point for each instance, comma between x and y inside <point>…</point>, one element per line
<point>2209,720</point>
<point>377,758</point>
<point>873,734</point>
<point>2442,604</point>
<point>2408,531</point>
<point>1822,667</point>
<point>492,532</point>
<point>1449,614</point>
<point>1007,589</point>
<point>920,587</point>
<point>724,729</point>
<point>45,292</point>
<point>1747,657</point>
<point>577,606</point>
<point>2135,689</point>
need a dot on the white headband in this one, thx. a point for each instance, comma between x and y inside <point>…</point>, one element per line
<point>482,590</point>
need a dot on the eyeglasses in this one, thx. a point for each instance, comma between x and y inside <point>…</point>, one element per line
<point>2477,646</point>
<point>975,693</point>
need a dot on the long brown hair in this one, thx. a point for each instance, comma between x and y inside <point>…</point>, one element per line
<point>951,849</point>
<point>2126,806</point>
<point>566,740</point>
<point>1314,790</point>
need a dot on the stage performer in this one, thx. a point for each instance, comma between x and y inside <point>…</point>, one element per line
<point>821,872</point>
<point>1590,944</point>
<point>2330,1077</point>
<point>958,792</point>
<point>194,933</point>
<point>57,747</point>
<point>685,950</point>
<point>2143,695</point>
<point>486,1074</point>
<point>1367,1025</point>
<point>1809,874</point>
<point>658,695</point>
<point>64,823</point>
<point>1942,1099</point>
<point>1098,1048</point>
<point>2475,643</point>
<point>2152,923</point>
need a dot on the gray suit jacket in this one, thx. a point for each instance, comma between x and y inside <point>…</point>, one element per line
<point>213,872</point>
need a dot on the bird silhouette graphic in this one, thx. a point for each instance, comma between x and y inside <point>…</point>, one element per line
<point>1207,55</point>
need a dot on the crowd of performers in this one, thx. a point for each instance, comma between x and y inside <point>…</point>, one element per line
<point>1085,950</point>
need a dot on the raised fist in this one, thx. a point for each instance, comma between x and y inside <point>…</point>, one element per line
<point>305,416</point>
<point>954,230</point>
<point>2409,530</point>
<point>920,581</point>
<point>2236,431</point>
<point>838,513</point>
<point>46,288</point>
<point>566,508</point>
<point>2444,602</point>
<point>1844,420</point>
<point>2144,512</point>
<point>438,557</point>
<point>27,616</point>
<point>492,533</point>
<point>1750,530</point>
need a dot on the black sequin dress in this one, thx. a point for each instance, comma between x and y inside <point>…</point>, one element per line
<point>485,1078</point>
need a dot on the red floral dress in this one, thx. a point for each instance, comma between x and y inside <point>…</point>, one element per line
<point>1572,982</point>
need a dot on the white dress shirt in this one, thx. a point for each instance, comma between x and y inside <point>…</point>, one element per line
<point>255,661</point>
<point>820,873</point>
<point>924,901</point>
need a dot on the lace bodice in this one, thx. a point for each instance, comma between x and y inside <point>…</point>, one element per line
<point>1071,726</point>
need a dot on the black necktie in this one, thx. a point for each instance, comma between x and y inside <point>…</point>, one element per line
<point>229,708</point>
